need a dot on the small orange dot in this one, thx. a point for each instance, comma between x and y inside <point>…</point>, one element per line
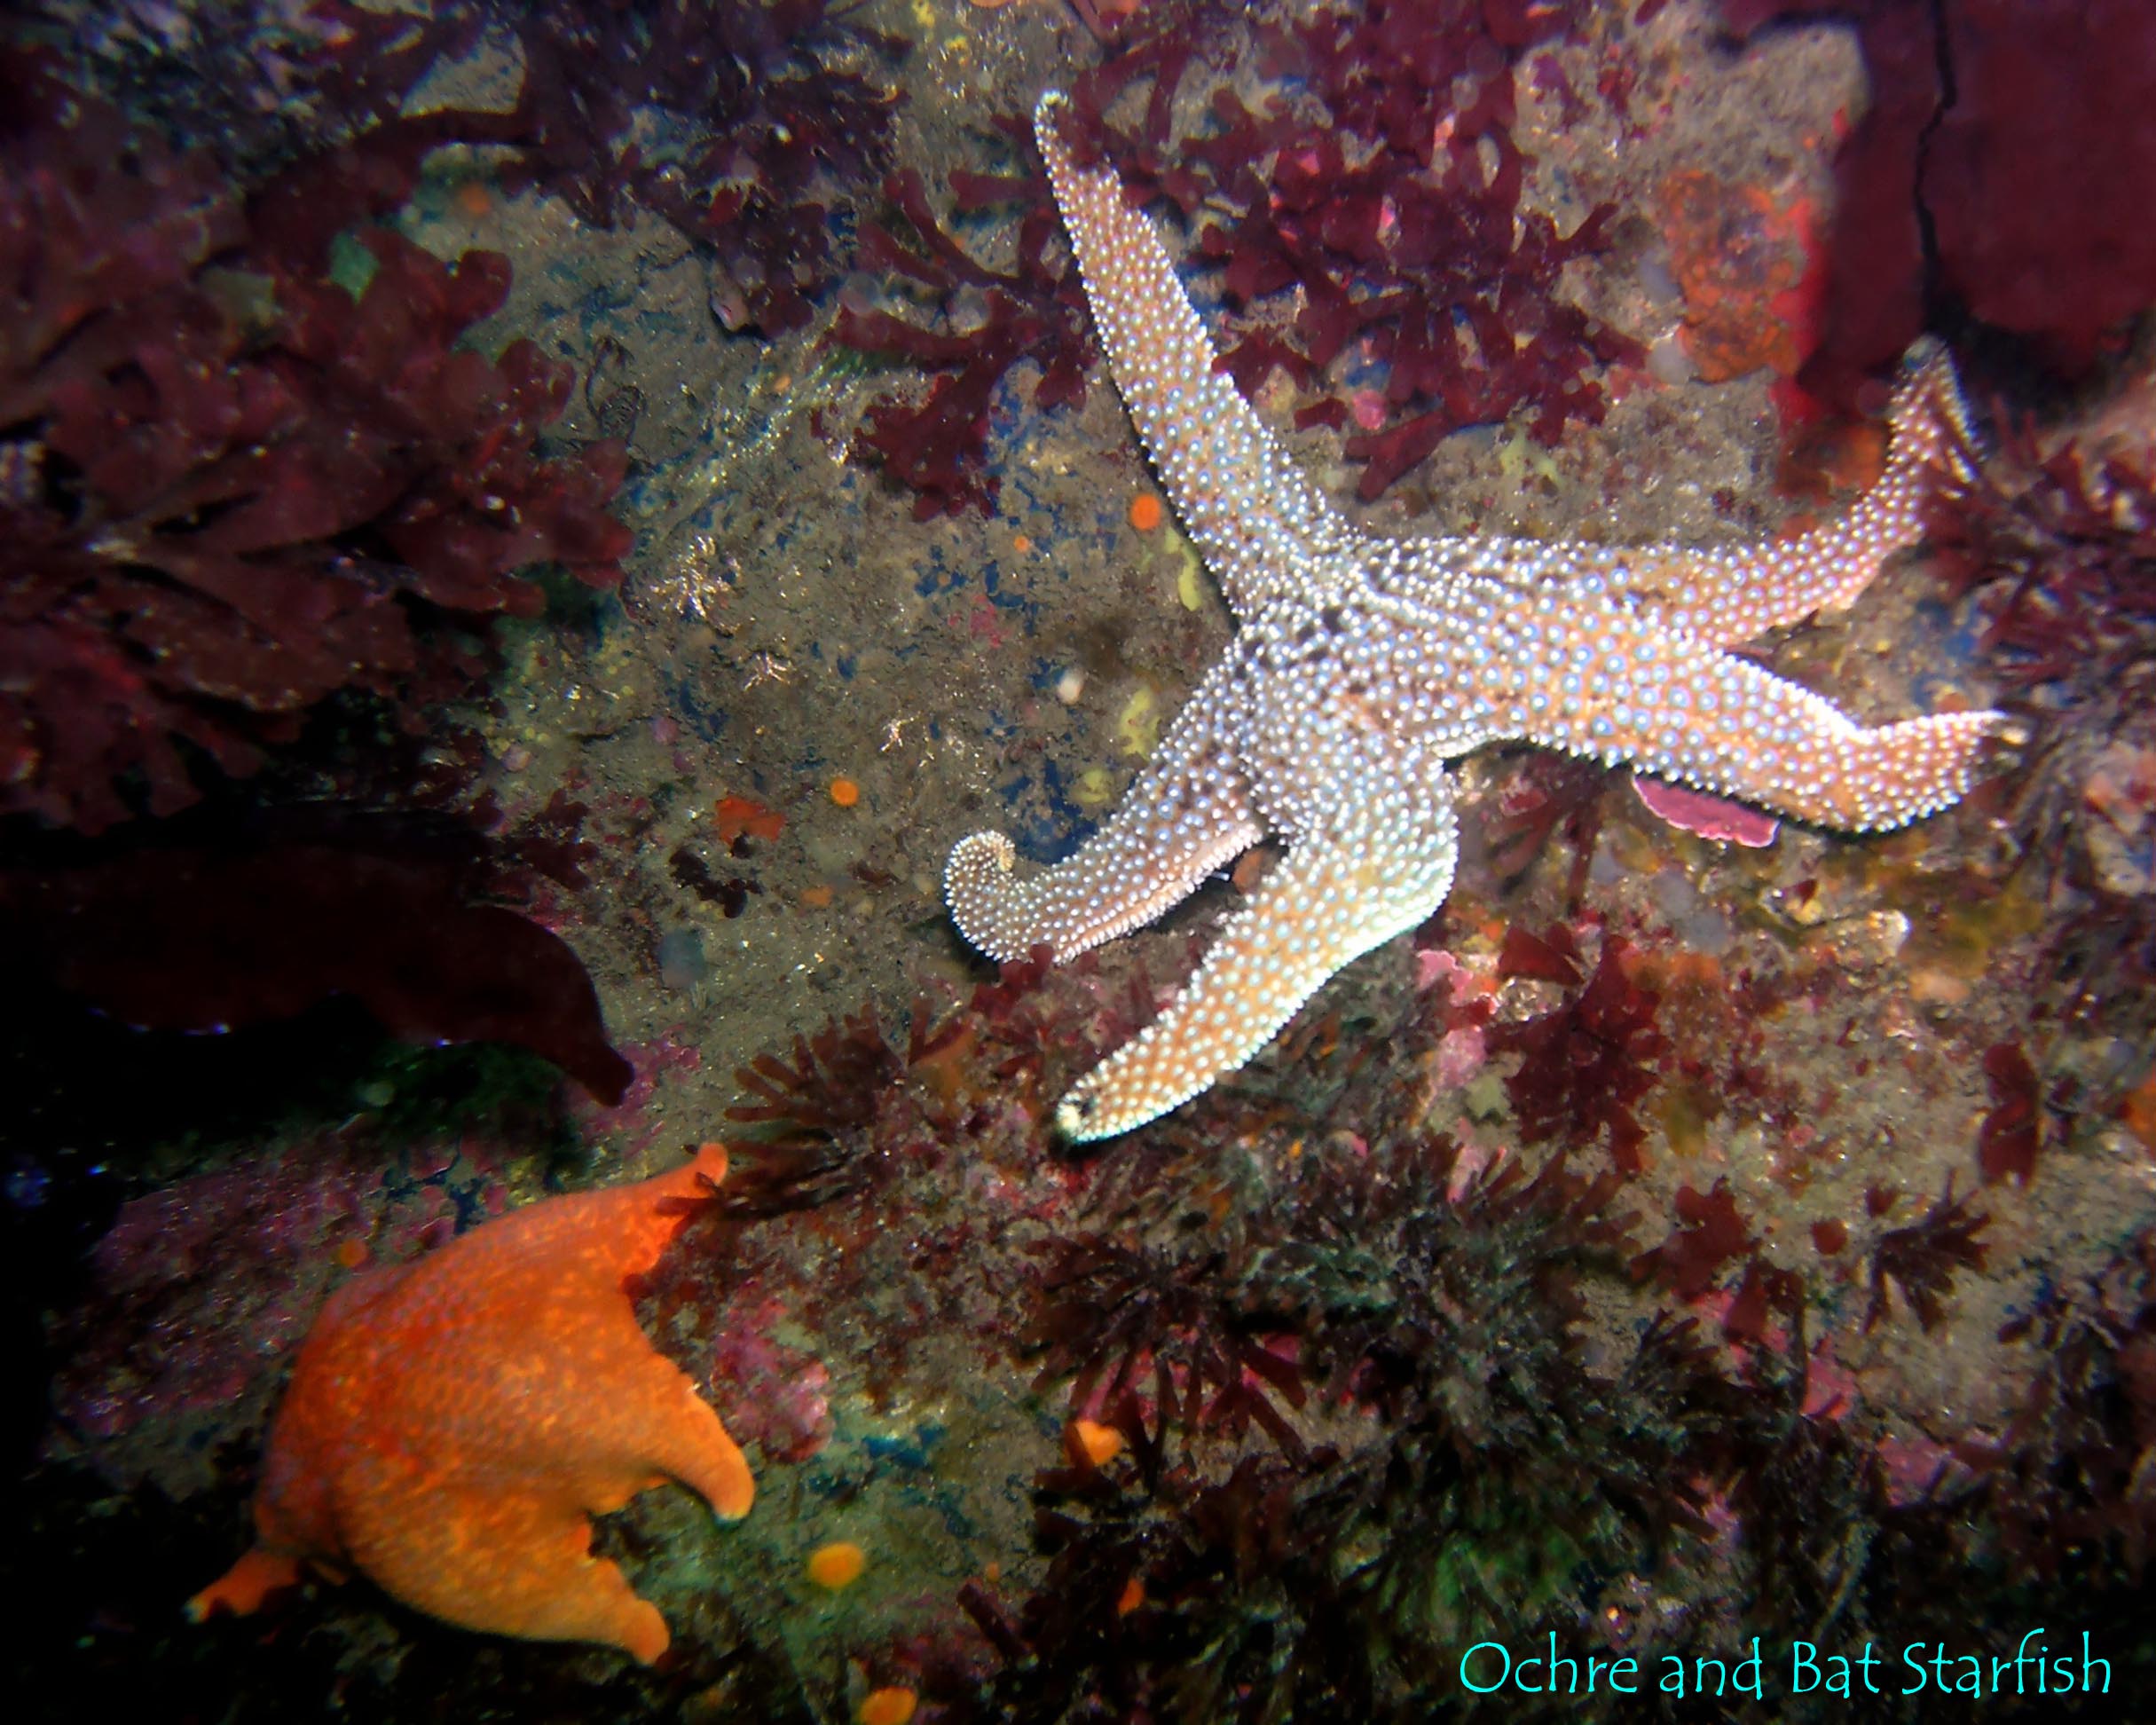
<point>1098,1443</point>
<point>888,1706</point>
<point>351,1254</point>
<point>816,898</point>
<point>1021,545</point>
<point>1145,512</point>
<point>474,199</point>
<point>1133,1597</point>
<point>844,792</point>
<point>837,1565</point>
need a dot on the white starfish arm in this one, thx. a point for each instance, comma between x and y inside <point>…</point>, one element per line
<point>1358,875</point>
<point>1238,494</point>
<point>1605,679</point>
<point>1187,815</point>
<point>1721,597</point>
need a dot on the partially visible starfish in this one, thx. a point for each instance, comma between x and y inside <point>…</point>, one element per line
<point>453,1423</point>
<point>1364,665</point>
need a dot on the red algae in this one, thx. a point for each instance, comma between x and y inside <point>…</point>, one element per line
<point>1386,222</point>
<point>1710,1234</point>
<point>235,487</point>
<point>1585,1066</point>
<point>250,928</point>
<point>936,445</point>
<point>1382,220</point>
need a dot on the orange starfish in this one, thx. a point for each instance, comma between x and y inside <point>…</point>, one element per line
<point>453,1423</point>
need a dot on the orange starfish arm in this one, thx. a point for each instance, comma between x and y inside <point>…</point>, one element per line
<point>243,1588</point>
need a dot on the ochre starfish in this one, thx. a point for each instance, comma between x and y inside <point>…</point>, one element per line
<point>453,1423</point>
<point>1363,666</point>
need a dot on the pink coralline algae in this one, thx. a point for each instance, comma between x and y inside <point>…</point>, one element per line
<point>773,1397</point>
<point>229,487</point>
<point>619,1114</point>
<point>197,1290</point>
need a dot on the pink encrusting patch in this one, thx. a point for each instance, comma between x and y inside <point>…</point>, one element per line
<point>1710,817</point>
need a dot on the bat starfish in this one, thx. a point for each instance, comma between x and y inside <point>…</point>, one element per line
<point>453,1423</point>
<point>1363,666</point>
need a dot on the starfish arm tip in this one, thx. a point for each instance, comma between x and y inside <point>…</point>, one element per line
<point>985,901</point>
<point>1373,871</point>
<point>242,1589</point>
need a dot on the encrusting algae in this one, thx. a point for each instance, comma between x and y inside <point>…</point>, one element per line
<point>453,1423</point>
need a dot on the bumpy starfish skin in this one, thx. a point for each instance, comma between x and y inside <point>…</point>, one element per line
<point>453,1424</point>
<point>1362,666</point>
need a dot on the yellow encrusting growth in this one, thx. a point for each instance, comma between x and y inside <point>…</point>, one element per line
<point>1140,724</point>
<point>1188,593</point>
<point>1095,788</point>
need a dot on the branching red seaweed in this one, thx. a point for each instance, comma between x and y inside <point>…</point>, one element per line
<point>1397,222</point>
<point>1585,1066</point>
<point>1710,1234</point>
<point>1923,1259</point>
<point>228,487</point>
<point>983,322</point>
<point>747,124</point>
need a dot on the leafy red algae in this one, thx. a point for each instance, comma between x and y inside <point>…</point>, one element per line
<point>772,119</point>
<point>2074,1475</point>
<point>1397,222</point>
<point>2058,548</point>
<point>2012,1132</point>
<point>1587,1066</point>
<point>229,487</point>
<point>2061,541</point>
<point>991,319</point>
<point>203,936</point>
<point>1409,257</point>
<point>1710,1234</point>
<point>749,125</point>
<point>1923,1258</point>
